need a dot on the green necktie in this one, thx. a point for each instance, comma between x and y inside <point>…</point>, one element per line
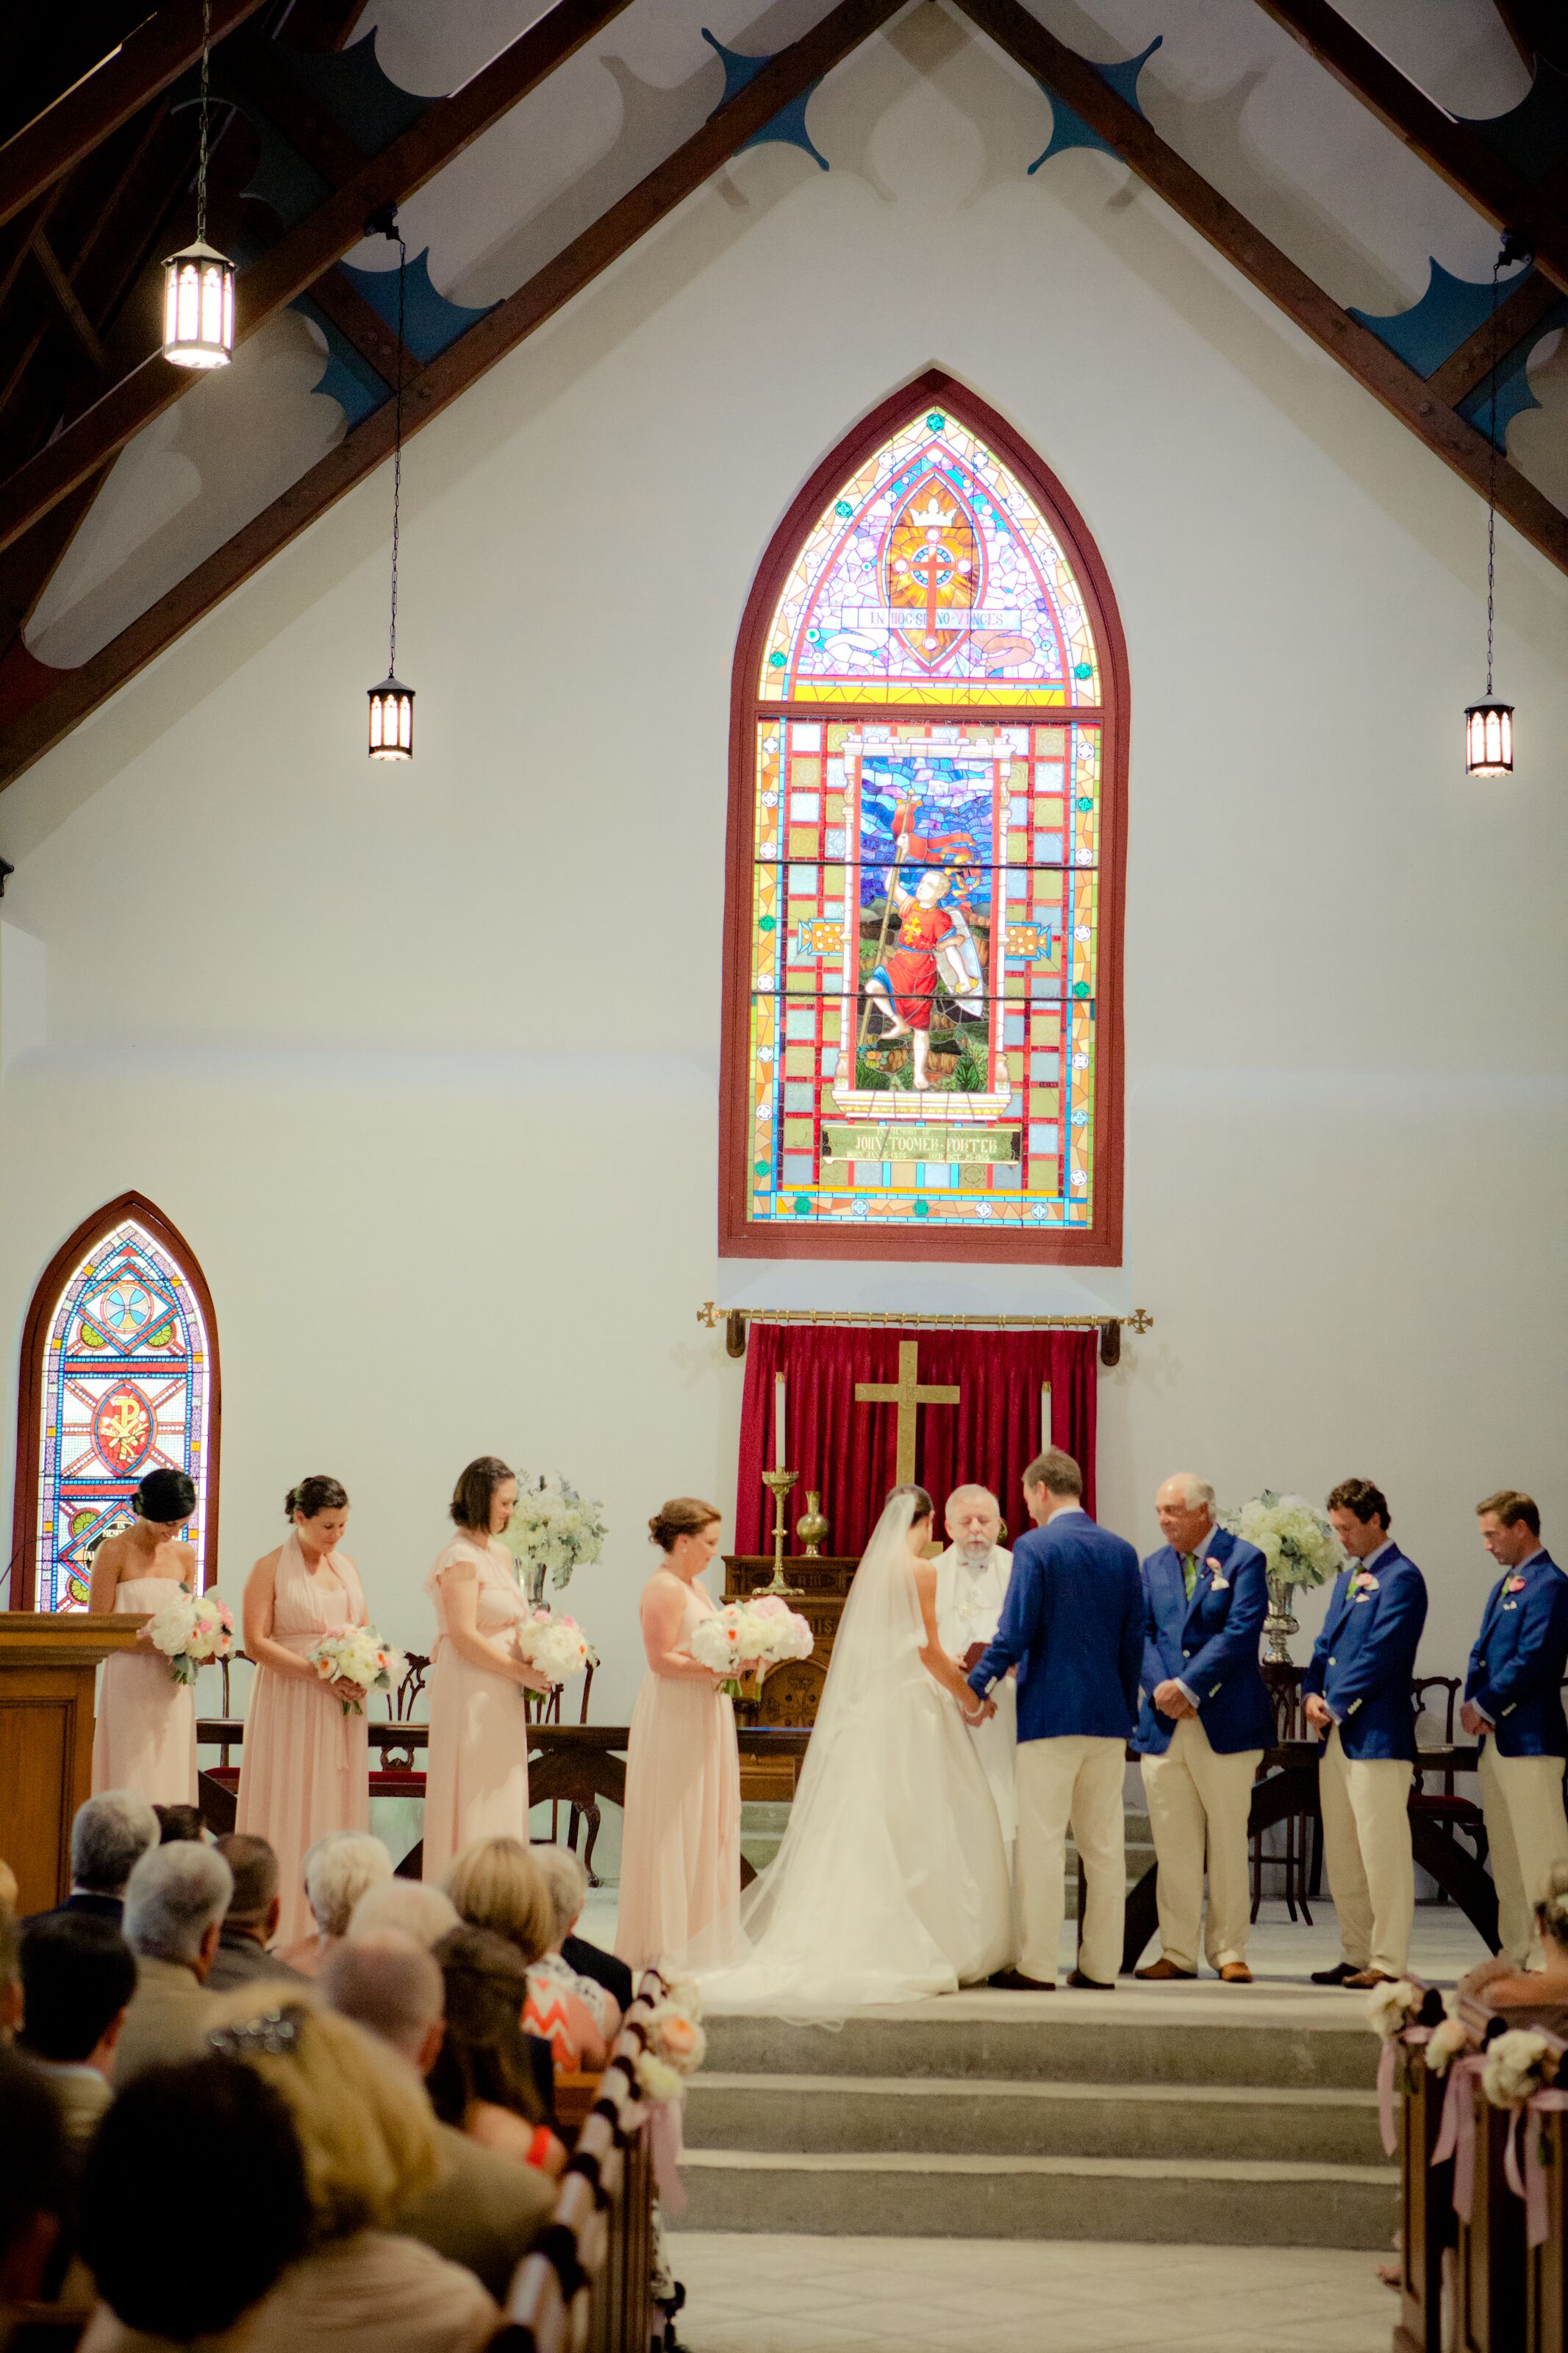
<point>1189,1572</point>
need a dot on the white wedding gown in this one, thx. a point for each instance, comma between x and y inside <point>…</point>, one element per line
<point>892,1881</point>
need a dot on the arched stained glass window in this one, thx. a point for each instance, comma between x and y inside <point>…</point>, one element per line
<point>923,1002</point>
<point>120,1377</point>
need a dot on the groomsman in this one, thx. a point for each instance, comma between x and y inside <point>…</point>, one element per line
<point>971,1579</point>
<point>1513,1700</point>
<point>1357,1696</point>
<point>1205,1722</point>
<point>1073,1625</point>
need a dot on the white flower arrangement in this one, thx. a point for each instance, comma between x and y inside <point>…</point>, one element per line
<point>1450,2041</point>
<point>190,1629</point>
<point>764,1630</point>
<point>676,2037</point>
<point>1295,1540</point>
<point>1519,2065</point>
<point>553,1529</point>
<point>657,2080</point>
<point>1392,2007</point>
<point>357,1655</point>
<point>556,1646</point>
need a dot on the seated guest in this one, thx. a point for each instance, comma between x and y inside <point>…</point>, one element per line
<point>109,1834</point>
<point>368,2138</point>
<point>10,1974</point>
<point>486,2211</point>
<point>35,2185</point>
<point>78,1975</point>
<point>410,1906</point>
<point>177,1823</point>
<point>483,2080</point>
<point>245,2139</point>
<point>338,1870</point>
<point>497,1884</point>
<point>591,1960</point>
<point>174,1902</point>
<point>10,1891</point>
<point>568,1883</point>
<point>1501,1984</point>
<point>251,1921</point>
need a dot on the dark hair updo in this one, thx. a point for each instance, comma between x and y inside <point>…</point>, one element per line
<point>924,1508</point>
<point>683,1515</point>
<point>476,1485</point>
<point>317,1493</point>
<point>166,1497</point>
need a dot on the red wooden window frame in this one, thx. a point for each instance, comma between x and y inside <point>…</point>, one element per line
<point>30,1388</point>
<point>738,1236</point>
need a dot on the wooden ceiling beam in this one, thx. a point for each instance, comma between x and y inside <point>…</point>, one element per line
<point>1472,169</point>
<point>1537,29</point>
<point>64,294</point>
<point>1523,307</point>
<point>1216,220</point>
<point>156,54</point>
<point>784,78</point>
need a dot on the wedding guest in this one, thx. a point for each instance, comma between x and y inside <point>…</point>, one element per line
<point>251,1921</point>
<point>339,1869</point>
<point>247,2145</point>
<point>497,1884</point>
<point>177,1822</point>
<point>568,1884</point>
<point>1206,1721</point>
<point>485,2210</point>
<point>146,1737</point>
<point>483,2081</point>
<point>680,1839</point>
<point>304,1767</point>
<point>36,2197</point>
<point>10,1973</point>
<point>174,1902</point>
<point>78,1975</point>
<point>1356,1696</point>
<point>476,1759</point>
<point>1544,1987</point>
<point>1513,1704</point>
<point>410,1907</point>
<point>109,1834</point>
<point>971,1586</point>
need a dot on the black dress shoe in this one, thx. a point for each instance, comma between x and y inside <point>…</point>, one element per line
<point>1094,1985</point>
<point>1014,1981</point>
<point>1336,1975</point>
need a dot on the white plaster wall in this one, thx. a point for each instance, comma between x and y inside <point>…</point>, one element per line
<point>424,1061</point>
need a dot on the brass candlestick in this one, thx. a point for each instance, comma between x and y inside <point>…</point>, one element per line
<point>781,1482</point>
<point>811,1527</point>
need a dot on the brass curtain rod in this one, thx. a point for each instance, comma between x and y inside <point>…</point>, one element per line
<point>735,1320</point>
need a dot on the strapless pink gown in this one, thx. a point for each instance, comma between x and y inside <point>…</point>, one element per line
<point>145,1736</point>
<point>476,1766</point>
<point>681,1846</point>
<point>305,1766</point>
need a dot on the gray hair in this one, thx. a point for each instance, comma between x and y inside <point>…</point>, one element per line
<point>404,1907</point>
<point>338,1870</point>
<point>963,1494</point>
<point>110,1834</point>
<point>175,1895</point>
<point>387,1984</point>
<point>1196,1493</point>
<point>567,1881</point>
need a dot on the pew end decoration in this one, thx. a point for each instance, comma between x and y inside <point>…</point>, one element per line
<point>553,1531</point>
<point>191,1630</point>
<point>556,1646</point>
<point>1299,1547</point>
<point>359,1655</point>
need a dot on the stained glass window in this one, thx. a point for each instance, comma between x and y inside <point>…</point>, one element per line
<point>924,950</point>
<point>125,1390</point>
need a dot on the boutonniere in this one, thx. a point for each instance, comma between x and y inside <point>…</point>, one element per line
<point>1514,1584</point>
<point>1364,1584</point>
<point>1221,1583</point>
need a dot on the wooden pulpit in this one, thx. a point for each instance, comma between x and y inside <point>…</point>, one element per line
<point>47,1665</point>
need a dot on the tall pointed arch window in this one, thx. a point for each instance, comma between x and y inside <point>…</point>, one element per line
<point>120,1377</point>
<point>922,1003</point>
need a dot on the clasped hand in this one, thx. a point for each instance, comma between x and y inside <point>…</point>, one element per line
<point>982,1713</point>
<point>1315,1710</point>
<point>1171,1700</point>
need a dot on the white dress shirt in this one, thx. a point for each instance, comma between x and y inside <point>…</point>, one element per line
<point>968,1611</point>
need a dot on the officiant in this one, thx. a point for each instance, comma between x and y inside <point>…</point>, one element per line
<point>971,1586</point>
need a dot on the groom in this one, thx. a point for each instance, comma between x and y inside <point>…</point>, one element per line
<point>1073,1625</point>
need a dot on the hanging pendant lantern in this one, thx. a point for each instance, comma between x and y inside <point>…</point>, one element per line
<point>1489,739</point>
<point>198,283</point>
<point>391,719</point>
<point>1489,724</point>
<point>392,703</point>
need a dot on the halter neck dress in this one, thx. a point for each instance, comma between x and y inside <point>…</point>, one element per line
<point>476,1782</point>
<point>145,1736</point>
<point>681,1846</point>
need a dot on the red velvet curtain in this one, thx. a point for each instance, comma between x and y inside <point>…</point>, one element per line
<point>849,1450</point>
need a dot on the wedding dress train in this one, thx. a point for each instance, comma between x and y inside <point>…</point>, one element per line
<point>892,1881</point>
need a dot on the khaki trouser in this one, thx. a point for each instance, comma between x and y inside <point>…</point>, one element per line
<point>1077,1778</point>
<point>1199,1803</point>
<point>1364,1802</point>
<point>1527,1833</point>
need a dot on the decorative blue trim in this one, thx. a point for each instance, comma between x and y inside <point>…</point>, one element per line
<point>1534,135</point>
<point>1071,130</point>
<point>1448,313</point>
<point>787,127</point>
<point>358,95</point>
<point>430,323</point>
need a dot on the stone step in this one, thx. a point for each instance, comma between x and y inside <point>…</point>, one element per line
<point>1215,2202</point>
<point>792,2114</point>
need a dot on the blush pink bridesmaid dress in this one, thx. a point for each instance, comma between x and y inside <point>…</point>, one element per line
<point>476,1782</point>
<point>145,1736</point>
<point>305,1766</point>
<point>680,1847</point>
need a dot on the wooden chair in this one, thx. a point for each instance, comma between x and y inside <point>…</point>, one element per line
<point>398,1776</point>
<point>545,1707</point>
<point>1302,1861</point>
<point>1445,1805</point>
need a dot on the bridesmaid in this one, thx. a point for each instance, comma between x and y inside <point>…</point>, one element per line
<point>145,1738</point>
<point>304,1769</point>
<point>477,1762</point>
<point>681,1846</point>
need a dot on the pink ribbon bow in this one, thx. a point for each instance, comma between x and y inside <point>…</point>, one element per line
<point>1415,2036</point>
<point>665,2147</point>
<point>1531,2187</point>
<point>1457,2132</point>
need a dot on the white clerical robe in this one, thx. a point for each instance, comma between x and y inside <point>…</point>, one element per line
<point>968,1611</point>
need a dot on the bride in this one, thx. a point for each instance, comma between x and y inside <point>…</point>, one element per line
<point>891,1881</point>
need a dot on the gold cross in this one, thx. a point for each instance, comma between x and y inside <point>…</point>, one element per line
<point>907,1396</point>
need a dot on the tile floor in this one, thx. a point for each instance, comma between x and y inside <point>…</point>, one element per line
<point>756,2295</point>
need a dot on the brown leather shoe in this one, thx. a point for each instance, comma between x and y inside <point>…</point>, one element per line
<point>1236,1973</point>
<point>1162,1972</point>
<point>1093,1984</point>
<point>1364,1981</point>
<point>1014,1981</point>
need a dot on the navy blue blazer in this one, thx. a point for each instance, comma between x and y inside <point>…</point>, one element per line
<point>1209,1644</point>
<point>1364,1659</point>
<point>1516,1665</point>
<point>1072,1624</point>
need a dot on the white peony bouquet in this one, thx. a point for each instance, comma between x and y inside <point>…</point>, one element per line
<point>1294,1537</point>
<point>357,1655</point>
<point>1519,2065</point>
<point>765,1630</point>
<point>1448,2041</point>
<point>1392,2007</point>
<point>556,1646</point>
<point>190,1629</point>
<point>553,1530</point>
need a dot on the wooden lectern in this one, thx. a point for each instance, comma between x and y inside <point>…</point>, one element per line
<point>47,1665</point>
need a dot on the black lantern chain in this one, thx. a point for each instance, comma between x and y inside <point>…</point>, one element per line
<point>392,703</point>
<point>1489,724</point>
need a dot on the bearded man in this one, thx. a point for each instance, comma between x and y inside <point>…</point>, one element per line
<point>971,1586</point>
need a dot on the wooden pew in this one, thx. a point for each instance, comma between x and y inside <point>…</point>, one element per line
<point>1425,2210</point>
<point>1489,2253</point>
<point>1546,2266</point>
